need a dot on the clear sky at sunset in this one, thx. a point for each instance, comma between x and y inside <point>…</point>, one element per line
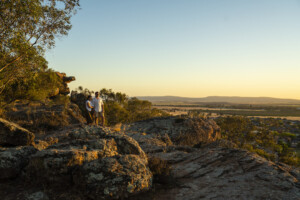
<point>192,48</point>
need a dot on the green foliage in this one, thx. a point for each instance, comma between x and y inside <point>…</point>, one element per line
<point>37,87</point>
<point>286,134</point>
<point>260,139</point>
<point>115,113</point>
<point>198,114</point>
<point>118,107</point>
<point>238,129</point>
<point>263,153</point>
<point>27,29</point>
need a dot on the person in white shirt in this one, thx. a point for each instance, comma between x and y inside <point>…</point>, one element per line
<point>99,109</point>
<point>89,106</point>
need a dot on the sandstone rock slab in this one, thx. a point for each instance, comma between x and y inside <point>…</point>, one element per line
<point>225,173</point>
<point>156,134</point>
<point>12,134</point>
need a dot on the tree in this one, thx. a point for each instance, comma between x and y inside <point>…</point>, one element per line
<point>27,29</point>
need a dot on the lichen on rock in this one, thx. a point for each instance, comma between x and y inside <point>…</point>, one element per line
<point>98,163</point>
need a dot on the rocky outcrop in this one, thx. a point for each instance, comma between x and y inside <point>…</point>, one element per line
<point>114,177</point>
<point>13,160</point>
<point>12,134</point>
<point>89,162</point>
<point>203,167</point>
<point>156,134</point>
<point>225,173</point>
<point>43,116</point>
<point>64,89</point>
<point>101,165</point>
<point>79,99</point>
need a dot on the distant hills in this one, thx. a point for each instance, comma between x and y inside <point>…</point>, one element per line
<point>219,99</point>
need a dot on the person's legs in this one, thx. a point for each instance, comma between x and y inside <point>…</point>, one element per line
<point>96,118</point>
<point>102,118</point>
<point>89,118</point>
<point>92,116</point>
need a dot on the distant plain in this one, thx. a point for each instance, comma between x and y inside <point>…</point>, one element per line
<point>215,106</point>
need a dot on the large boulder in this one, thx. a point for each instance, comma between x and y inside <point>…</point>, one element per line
<point>196,131</point>
<point>12,134</point>
<point>114,177</point>
<point>64,89</point>
<point>54,166</point>
<point>156,134</point>
<point>102,165</point>
<point>13,160</point>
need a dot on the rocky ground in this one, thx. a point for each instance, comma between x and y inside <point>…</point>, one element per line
<point>42,117</point>
<point>163,158</point>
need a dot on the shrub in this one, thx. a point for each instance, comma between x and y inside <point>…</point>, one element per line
<point>286,134</point>
<point>36,87</point>
<point>291,160</point>
<point>263,141</point>
<point>263,153</point>
<point>118,107</point>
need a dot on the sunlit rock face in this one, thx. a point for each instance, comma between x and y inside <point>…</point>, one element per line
<point>157,134</point>
<point>64,89</point>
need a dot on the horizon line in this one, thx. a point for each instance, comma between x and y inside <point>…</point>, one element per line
<point>216,96</point>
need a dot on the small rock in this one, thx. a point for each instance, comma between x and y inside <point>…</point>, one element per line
<point>37,196</point>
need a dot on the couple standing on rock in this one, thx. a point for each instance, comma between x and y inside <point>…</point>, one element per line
<point>95,109</point>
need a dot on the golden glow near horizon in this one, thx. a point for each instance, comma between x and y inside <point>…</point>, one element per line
<point>184,48</point>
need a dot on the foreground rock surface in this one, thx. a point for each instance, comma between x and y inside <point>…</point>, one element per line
<point>100,165</point>
<point>12,134</point>
<point>13,160</point>
<point>224,173</point>
<point>203,167</point>
<point>90,162</point>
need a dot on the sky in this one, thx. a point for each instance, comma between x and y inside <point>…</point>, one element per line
<point>190,48</point>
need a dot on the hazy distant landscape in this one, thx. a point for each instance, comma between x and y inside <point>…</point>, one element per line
<point>219,100</point>
<point>215,105</point>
